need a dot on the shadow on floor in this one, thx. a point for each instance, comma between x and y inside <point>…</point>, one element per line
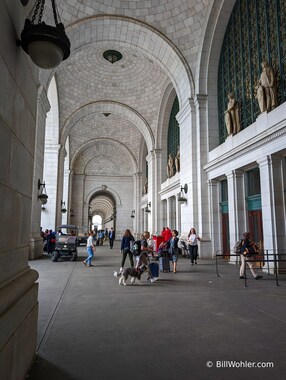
<point>44,370</point>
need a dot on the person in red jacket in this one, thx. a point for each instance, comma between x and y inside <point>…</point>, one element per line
<point>163,232</point>
<point>168,234</point>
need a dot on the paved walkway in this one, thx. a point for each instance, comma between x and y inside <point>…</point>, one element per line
<point>188,325</point>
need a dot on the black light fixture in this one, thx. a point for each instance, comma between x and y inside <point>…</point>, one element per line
<point>46,45</point>
<point>112,56</point>
<point>43,195</point>
<point>43,207</point>
<point>63,207</point>
<point>181,196</point>
<point>132,214</point>
<point>147,209</point>
<point>71,213</point>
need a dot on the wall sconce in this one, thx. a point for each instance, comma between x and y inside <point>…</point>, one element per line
<point>43,207</point>
<point>132,214</point>
<point>181,197</point>
<point>43,195</point>
<point>147,209</point>
<point>63,207</point>
<point>46,45</point>
<point>71,213</point>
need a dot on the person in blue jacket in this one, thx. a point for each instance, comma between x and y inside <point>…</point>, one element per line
<point>174,249</point>
<point>126,243</point>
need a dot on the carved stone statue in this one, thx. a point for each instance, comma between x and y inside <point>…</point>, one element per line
<point>231,117</point>
<point>177,160</point>
<point>267,89</point>
<point>170,166</point>
<point>146,187</point>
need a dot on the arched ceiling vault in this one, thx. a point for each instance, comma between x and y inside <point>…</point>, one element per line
<point>106,118</point>
<point>130,91</point>
<point>102,203</point>
<point>104,156</point>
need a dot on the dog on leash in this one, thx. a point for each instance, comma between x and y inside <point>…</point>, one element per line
<point>134,273</point>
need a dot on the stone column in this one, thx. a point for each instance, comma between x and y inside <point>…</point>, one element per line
<point>201,159</point>
<point>60,185</point>
<point>36,242</point>
<point>137,195</point>
<point>271,183</point>
<point>188,169</point>
<point>236,207</point>
<point>154,183</point>
<point>80,210</point>
<point>48,218</point>
<point>66,195</point>
<point>215,222</point>
<point>178,215</point>
<point>169,208</point>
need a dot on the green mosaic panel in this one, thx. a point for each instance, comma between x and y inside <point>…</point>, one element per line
<point>173,130</point>
<point>256,32</point>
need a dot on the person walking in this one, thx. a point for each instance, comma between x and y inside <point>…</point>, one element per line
<point>173,250</point>
<point>247,251</point>
<point>142,259</point>
<point>193,239</point>
<point>90,247</point>
<point>51,242</point>
<point>111,236</point>
<point>167,234</point>
<point>126,242</point>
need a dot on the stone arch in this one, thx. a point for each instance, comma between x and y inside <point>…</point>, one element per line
<point>137,34</point>
<point>110,107</point>
<point>163,123</point>
<point>113,144</point>
<point>98,190</point>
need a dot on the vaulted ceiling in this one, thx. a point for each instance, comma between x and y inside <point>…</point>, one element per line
<point>159,41</point>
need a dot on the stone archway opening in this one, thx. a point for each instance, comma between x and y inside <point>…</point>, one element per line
<point>102,207</point>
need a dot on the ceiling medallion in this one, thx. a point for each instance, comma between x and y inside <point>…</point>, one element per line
<point>112,56</point>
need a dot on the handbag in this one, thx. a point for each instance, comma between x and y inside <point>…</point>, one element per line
<point>251,251</point>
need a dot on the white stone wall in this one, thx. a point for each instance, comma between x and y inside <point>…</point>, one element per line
<point>18,290</point>
<point>260,145</point>
<point>121,189</point>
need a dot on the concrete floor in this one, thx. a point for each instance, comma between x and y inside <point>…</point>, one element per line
<point>188,325</point>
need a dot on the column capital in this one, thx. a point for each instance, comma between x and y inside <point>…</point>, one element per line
<point>237,173</point>
<point>62,151</point>
<point>43,99</point>
<point>153,154</point>
<point>137,175</point>
<point>264,161</point>
<point>187,108</point>
<point>200,101</point>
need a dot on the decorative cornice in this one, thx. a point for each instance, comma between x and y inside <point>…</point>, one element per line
<point>256,142</point>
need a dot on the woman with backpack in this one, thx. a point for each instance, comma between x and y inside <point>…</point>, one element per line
<point>247,251</point>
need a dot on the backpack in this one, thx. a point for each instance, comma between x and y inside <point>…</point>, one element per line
<point>136,248</point>
<point>237,247</point>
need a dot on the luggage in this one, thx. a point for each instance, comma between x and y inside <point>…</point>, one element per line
<point>164,264</point>
<point>154,269</point>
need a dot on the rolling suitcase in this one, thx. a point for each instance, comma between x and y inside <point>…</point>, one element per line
<point>154,269</point>
<point>164,264</point>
